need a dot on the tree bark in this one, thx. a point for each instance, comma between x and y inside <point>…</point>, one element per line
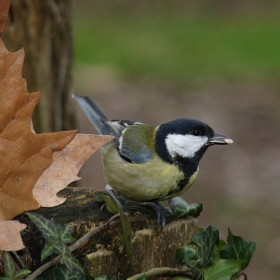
<point>104,253</point>
<point>43,29</point>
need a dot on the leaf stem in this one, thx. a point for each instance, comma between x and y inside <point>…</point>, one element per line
<point>164,271</point>
<point>19,260</point>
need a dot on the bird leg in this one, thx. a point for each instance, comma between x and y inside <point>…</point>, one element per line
<point>112,194</point>
<point>156,206</point>
<point>160,210</point>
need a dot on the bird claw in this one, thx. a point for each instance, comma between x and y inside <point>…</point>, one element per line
<point>161,211</point>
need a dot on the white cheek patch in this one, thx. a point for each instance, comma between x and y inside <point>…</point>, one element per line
<point>184,145</point>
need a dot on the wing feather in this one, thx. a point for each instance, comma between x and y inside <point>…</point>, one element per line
<point>133,144</point>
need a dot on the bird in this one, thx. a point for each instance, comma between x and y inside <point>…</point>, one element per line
<point>150,164</point>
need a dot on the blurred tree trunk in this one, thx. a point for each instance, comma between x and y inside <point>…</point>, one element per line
<point>43,28</point>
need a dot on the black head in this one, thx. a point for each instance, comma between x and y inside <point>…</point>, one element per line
<point>185,139</point>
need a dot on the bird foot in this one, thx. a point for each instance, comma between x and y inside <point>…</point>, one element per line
<point>161,211</point>
<point>112,194</point>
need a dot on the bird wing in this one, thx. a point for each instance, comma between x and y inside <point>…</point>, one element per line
<point>134,143</point>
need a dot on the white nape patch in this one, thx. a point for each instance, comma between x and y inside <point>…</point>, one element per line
<point>121,140</point>
<point>121,143</point>
<point>184,145</point>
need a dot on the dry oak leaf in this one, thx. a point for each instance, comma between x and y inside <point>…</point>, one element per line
<point>4,11</point>
<point>10,238</point>
<point>24,155</point>
<point>65,167</point>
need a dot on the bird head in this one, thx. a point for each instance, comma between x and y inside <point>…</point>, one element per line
<point>186,139</point>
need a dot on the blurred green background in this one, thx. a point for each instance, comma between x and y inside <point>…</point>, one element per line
<point>216,61</point>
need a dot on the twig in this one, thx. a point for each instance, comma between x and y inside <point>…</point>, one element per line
<point>83,240</point>
<point>163,271</point>
<point>244,275</point>
<point>44,267</point>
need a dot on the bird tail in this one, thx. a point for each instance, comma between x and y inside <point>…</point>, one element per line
<point>94,113</point>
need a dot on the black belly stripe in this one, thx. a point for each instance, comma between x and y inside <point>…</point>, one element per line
<point>188,168</point>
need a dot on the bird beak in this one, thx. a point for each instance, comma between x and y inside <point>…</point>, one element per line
<point>219,139</point>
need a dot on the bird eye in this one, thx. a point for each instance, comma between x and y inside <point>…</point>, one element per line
<point>196,132</point>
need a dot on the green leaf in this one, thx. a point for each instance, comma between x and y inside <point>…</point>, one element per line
<point>10,269</point>
<point>206,242</point>
<point>126,233</point>
<point>188,255</point>
<point>222,269</point>
<point>181,209</point>
<point>9,265</point>
<point>238,249</point>
<point>52,232</point>
<point>20,274</point>
<point>89,277</point>
<point>143,277</point>
<point>47,251</point>
<point>67,258</point>
<point>221,245</point>
<point>111,205</point>
<point>60,272</point>
<point>200,253</point>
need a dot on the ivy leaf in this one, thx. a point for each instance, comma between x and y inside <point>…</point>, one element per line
<point>238,249</point>
<point>180,208</point>
<point>188,255</point>
<point>206,242</point>
<point>222,269</point>
<point>200,253</point>
<point>10,269</point>
<point>48,250</point>
<point>67,258</point>
<point>52,232</point>
<point>60,272</point>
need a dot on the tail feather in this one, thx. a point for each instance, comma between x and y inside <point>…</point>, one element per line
<point>94,113</point>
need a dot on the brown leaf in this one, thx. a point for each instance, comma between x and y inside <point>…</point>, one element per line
<point>65,167</point>
<point>4,11</point>
<point>24,155</point>
<point>10,238</point>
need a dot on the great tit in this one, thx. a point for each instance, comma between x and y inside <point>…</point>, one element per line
<point>150,164</point>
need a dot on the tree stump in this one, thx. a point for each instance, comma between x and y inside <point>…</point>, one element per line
<point>105,253</point>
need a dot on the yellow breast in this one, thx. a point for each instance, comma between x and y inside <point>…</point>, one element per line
<point>152,180</point>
